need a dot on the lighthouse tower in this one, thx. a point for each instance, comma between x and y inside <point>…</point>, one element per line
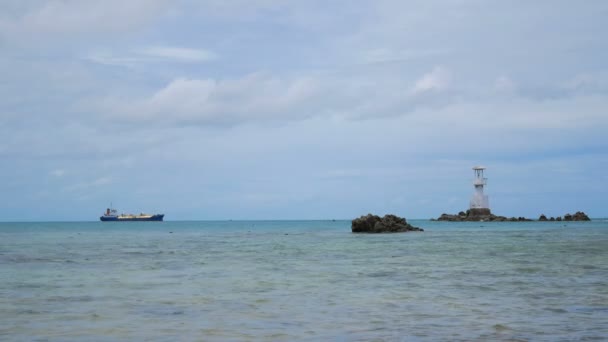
<point>479,200</point>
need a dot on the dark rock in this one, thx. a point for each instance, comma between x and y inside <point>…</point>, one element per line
<point>478,215</point>
<point>388,224</point>
<point>484,214</point>
<point>578,216</point>
<point>479,212</point>
<point>447,217</point>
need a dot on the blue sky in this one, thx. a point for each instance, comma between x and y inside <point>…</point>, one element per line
<point>268,109</point>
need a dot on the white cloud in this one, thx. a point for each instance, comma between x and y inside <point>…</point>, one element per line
<point>58,172</point>
<point>263,96</point>
<point>86,185</point>
<point>436,80</point>
<point>101,181</point>
<point>110,59</point>
<point>179,53</point>
<point>73,17</point>
<point>151,54</point>
<point>357,88</point>
<point>386,54</point>
<point>587,83</point>
<point>254,97</point>
<point>504,84</point>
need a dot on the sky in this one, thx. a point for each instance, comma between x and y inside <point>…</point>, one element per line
<point>274,109</point>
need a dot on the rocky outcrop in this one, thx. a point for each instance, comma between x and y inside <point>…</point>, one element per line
<point>559,218</point>
<point>478,215</point>
<point>387,224</point>
<point>578,216</point>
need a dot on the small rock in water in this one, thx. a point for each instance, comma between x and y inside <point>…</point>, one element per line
<point>387,224</point>
<point>578,216</point>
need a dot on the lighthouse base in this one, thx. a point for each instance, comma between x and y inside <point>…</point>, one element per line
<point>479,213</point>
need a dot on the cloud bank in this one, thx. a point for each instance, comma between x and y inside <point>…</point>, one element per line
<point>272,109</point>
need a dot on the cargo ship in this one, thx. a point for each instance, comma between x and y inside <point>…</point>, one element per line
<point>112,215</point>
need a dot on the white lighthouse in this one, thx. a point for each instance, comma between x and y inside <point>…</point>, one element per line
<point>479,200</point>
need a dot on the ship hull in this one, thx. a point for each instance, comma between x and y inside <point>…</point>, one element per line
<point>131,219</point>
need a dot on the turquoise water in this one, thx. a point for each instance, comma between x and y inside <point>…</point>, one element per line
<point>303,280</point>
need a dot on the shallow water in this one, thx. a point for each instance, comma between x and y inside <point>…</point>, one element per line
<point>303,280</point>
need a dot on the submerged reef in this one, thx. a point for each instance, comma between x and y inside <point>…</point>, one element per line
<point>387,224</point>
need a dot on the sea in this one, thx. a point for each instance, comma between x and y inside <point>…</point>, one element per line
<point>303,281</point>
